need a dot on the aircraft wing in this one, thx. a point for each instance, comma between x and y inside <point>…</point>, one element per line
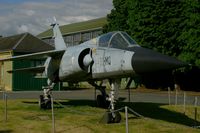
<point>53,53</point>
<point>38,69</point>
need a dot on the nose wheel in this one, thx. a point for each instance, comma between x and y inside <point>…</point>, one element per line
<point>45,99</point>
<point>111,117</point>
<point>45,103</point>
<point>108,101</point>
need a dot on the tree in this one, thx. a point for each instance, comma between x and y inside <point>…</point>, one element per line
<point>171,27</point>
<point>190,32</point>
<point>117,19</point>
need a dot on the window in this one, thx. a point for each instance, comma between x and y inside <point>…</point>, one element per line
<point>104,39</point>
<point>96,33</point>
<point>128,38</point>
<point>77,37</point>
<point>69,39</point>
<point>118,42</point>
<point>86,37</point>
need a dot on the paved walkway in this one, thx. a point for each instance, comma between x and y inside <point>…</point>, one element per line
<point>135,96</point>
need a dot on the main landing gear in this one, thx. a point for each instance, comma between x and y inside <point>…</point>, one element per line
<point>112,115</point>
<point>101,100</point>
<point>109,101</point>
<point>45,99</point>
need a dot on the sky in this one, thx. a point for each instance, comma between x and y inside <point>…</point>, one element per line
<point>35,16</point>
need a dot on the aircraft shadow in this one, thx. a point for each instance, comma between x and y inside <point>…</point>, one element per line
<point>149,110</point>
<point>80,102</point>
<point>74,88</point>
<point>154,111</point>
<point>6,131</point>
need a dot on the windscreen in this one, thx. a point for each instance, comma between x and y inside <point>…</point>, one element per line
<point>104,39</point>
<point>118,42</point>
<point>128,38</point>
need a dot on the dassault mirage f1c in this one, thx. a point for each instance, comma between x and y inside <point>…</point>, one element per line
<point>111,56</point>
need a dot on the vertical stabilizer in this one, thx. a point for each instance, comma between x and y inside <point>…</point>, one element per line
<point>58,39</point>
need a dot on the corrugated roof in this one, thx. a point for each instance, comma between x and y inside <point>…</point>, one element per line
<point>24,43</point>
<point>76,27</point>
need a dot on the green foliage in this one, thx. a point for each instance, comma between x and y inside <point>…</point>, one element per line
<point>190,32</point>
<point>171,27</point>
<point>118,17</point>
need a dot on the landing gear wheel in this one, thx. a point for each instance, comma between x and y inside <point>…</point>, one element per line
<point>48,104</point>
<point>41,102</point>
<point>109,117</point>
<point>44,103</point>
<point>117,118</point>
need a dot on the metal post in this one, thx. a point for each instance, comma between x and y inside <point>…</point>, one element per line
<point>53,118</point>
<point>59,85</point>
<point>5,111</point>
<point>195,110</point>
<point>95,94</point>
<point>184,97</point>
<point>176,96</point>
<point>129,95</point>
<point>3,93</point>
<point>169,95</point>
<point>126,114</point>
<point>95,97</point>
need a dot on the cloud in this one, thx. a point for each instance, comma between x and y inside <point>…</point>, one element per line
<point>22,28</point>
<point>31,16</point>
<point>30,12</point>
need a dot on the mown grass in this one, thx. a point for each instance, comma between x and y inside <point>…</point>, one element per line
<point>81,116</point>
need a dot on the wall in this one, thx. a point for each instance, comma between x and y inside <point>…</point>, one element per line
<point>5,77</point>
<point>76,37</point>
<point>27,81</point>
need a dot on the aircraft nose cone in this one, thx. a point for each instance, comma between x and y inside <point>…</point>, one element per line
<point>146,61</point>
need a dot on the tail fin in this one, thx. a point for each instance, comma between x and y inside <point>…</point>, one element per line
<point>58,39</point>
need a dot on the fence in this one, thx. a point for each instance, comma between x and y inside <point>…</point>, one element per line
<point>173,98</point>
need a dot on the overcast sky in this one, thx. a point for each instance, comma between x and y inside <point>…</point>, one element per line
<point>34,16</point>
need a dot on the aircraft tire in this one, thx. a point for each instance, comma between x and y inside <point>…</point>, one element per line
<point>108,117</point>
<point>41,102</point>
<point>44,104</point>
<point>117,118</point>
<point>48,104</point>
<point>111,119</point>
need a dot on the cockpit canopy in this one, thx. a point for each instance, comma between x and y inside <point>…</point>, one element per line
<point>117,39</point>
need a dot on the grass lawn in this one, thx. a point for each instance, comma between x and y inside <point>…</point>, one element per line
<point>81,116</point>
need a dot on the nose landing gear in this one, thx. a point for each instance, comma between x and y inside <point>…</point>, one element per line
<point>45,99</point>
<point>113,116</point>
<point>108,101</point>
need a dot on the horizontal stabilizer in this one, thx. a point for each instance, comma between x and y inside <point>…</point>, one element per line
<point>56,54</point>
<point>38,69</point>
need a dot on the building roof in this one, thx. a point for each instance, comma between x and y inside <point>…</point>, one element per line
<point>77,27</point>
<point>24,43</point>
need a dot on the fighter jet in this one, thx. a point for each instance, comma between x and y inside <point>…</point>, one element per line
<point>111,56</point>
